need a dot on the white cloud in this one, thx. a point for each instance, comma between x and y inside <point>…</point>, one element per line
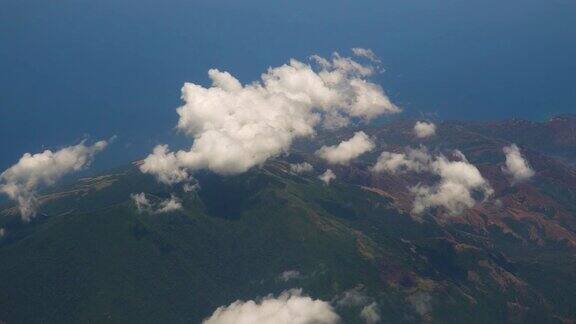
<point>236,127</point>
<point>371,314</point>
<point>347,150</point>
<point>144,205</point>
<point>458,181</point>
<point>303,167</point>
<point>291,307</point>
<point>516,165</point>
<point>327,176</point>
<point>169,205</point>
<point>416,160</point>
<point>289,275</point>
<point>21,181</point>
<point>424,129</point>
<point>353,297</point>
<point>165,165</point>
<point>366,53</point>
<point>454,191</point>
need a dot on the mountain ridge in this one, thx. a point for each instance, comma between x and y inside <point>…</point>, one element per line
<point>91,255</point>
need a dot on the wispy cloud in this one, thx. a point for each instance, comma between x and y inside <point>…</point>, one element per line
<point>144,205</point>
<point>303,167</point>
<point>371,313</point>
<point>289,275</point>
<point>21,181</point>
<point>366,53</point>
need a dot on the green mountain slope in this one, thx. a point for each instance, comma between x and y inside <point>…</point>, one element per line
<point>93,257</point>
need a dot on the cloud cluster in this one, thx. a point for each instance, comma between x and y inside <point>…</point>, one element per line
<point>347,150</point>
<point>416,160</point>
<point>516,165</point>
<point>21,181</point>
<point>424,129</point>
<point>327,176</point>
<point>236,127</point>
<point>303,167</point>
<point>459,180</point>
<point>144,205</point>
<point>291,307</point>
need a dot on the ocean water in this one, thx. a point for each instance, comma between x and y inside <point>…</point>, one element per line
<point>92,69</point>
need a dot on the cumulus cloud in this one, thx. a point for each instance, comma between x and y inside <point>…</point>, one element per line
<point>366,53</point>
<point>424,129</point>
<point>371,313</point>
<point>144,205</point>
<point>516,165</point>
<point>347,150</point>
<point>21,181</point>
<point>459,180</point>
<point>236,127</point>
<point>291,307</point>
<point>327,176</point>
<point>416,160</point>
<point>165,165</point>
<point>289,275</point>
<point>303,167</point>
